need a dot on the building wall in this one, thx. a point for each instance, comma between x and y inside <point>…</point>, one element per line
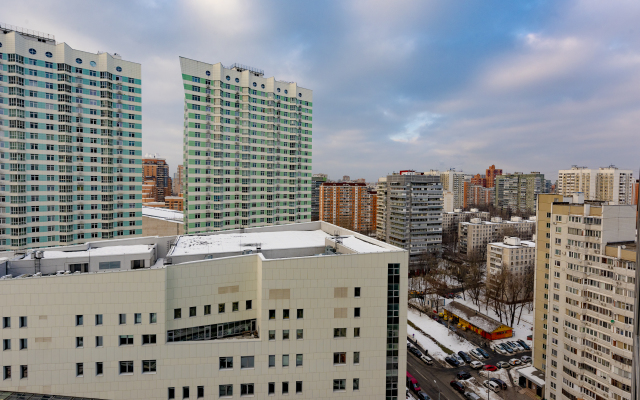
<point>349,205</point>
<point>604,184</point>
<point>246,136</point>
<point>313,284</point>
<point>157,170</point>
<point>518,191</point>
<point>316,181</point>
<point>491,174</point>
<point>161,227</point>
<point>63,158</point>
<point>475,236</point>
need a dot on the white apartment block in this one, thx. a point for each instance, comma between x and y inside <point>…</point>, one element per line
<point>475,235</point>
<point>604,184</point>
<point>70,140</point>
<point>247,148</point>
<point>512,254</point>
<point>450,220</point>
<point>306,310</point>
<point>452,186</point>
<point>589,308</point>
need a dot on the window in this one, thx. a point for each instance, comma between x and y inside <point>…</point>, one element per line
<point>126,367</point>
<point>207,309</point>
<point>22,323</point>
<point>226,391</point>
<point>79,320</point>
<point>285,387</point>
<point>137,318</point>
<point>226,362</point>
<point>285,334</point>
<point>285,314</point>
<point>356,332</point>
<point>192,311</point>
<point>99,341</point>
<point>109,264</point>
<point>200,392</point>
<point>99,368</point>
<point>356,357</point>
<point>79,369</point>
<point>126,340</point>
<point>98,319</point>
<point>123,319</point>
<point>171,393</point>
<point>246,362</point>
<point>185,392</point>
<point>220,308</point>
<point>356,312</point>
<point>299,335</point>
<point>300,313</point>
<point>177,313</point>
<point>271,390</point>
<point>272,314</point>
<point>6,344</point>
<point>153,318</point>
<point>24,372</point>
<point>6,372</point>
<point>298,360</point>
<point>356,384</point>
<point>272,335</point>
<point>272,361</point>
<point>339,358</point>
<point>246,389</point>
<point>148,366</point>
<point>356,292</point>
<point>248,305</point>
<point>285,360</point>
<point>339,332</point>
<point>79,342</point>
<point>235,306</point>
<point>339,384</point>
<point>6,322</point>
<point>148,339</point>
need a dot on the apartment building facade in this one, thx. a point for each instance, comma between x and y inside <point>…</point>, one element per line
<point>316,181</point>
<point>452,181</point>
<point>475,235</point>
<point>518,191</point>
<point>512,254</point>
<point>247,148</point>
<point>220,315</point>
<point>450,220</point>
<point>478,196</point>
<point>70,139</point>
<point>155,171</point>
<point>491,173</point>
<point>410,212</point>
<point>584,297</point>
<point>604,184</point>
<point>349,205</point>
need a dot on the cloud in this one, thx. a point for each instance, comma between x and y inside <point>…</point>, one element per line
<point>415,127</point>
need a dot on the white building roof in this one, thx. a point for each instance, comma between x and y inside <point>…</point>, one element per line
<point>533,374</point>
<point>162,213</point>
<point>99,251</point>
<point>360,245</point>
<point>523,243</point>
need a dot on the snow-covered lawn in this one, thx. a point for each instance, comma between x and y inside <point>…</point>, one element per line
<point>502,374</point>
<point>439,332</point>
<point>434,351</point>
<point>475,386</point>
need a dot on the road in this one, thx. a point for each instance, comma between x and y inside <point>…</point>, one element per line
<point>426,374</point>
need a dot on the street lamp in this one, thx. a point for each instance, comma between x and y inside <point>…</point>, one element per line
<point>436,382</point>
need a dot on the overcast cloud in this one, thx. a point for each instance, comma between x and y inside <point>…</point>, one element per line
<point>526,85</point>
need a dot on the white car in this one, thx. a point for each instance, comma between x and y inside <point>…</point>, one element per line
<point>460,360</point>
<point>515,361</point>
<point>499,349</point>
<point>517,345</point>
<point>475,353</point>
<point>476,364</point>
<point>491,385</point>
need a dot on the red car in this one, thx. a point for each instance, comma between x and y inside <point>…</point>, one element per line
<point>490,368</point>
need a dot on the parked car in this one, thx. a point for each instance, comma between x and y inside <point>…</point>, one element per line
<point>409,345</point>
<point>415,351</point>
<point>413,385</point>
<point>514,362</point>
<point>498,349</point>
<point>489,368</point>
<point>423,396</point>
<point>476,364</point>
<point>471,396</point>
<point>525,359</point>
<point>502,364</point>
<point>506,348</point>
<point>475,353</point>
<point>426,359</point>
<point>517,346</point>
<point>457,357</point>
<point>500,383</point>
<point>464,356</point>
<point>452,361</point>
<point>524,344</point>
<point>483,352</point>
<point>491,385</point>
<point>463,375</point>
<point>457,386</point>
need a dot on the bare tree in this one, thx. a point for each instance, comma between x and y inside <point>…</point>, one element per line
<point>474,279</point>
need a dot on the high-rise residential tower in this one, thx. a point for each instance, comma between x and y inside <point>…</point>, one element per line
<point>350,205</point>
<point>452,181</point>
<point>518,191</point>
<point>247,148</point>
<point>316,181</point>
<point>604,184</point>
<point>156,170</point>
<point>70,139</point>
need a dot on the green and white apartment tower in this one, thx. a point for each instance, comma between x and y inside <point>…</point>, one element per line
<point>70,143</point>
<point>247,148</point>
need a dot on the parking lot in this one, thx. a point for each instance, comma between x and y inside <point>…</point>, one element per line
<point>437,377</point>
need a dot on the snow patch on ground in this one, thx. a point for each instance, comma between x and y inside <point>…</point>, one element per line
<point>440,333</point>
<point>501,374</point>
<point>433,350</point>
<point>474,386</point>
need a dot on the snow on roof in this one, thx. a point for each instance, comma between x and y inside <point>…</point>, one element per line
<point>162,213</point>
<point>523,243</point>
<point>236,242</point>
<point>360,245</point>
<point>533,374</point>
<point>99,251</point>
<point>473,317</point>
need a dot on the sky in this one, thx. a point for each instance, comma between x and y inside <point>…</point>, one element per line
<point>525,85</point>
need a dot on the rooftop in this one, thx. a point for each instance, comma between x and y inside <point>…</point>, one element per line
<point>474,317</point>
<point>162,213</point>
<point>89,252</point>
<point>533,374</point>
<point>523,243</point>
